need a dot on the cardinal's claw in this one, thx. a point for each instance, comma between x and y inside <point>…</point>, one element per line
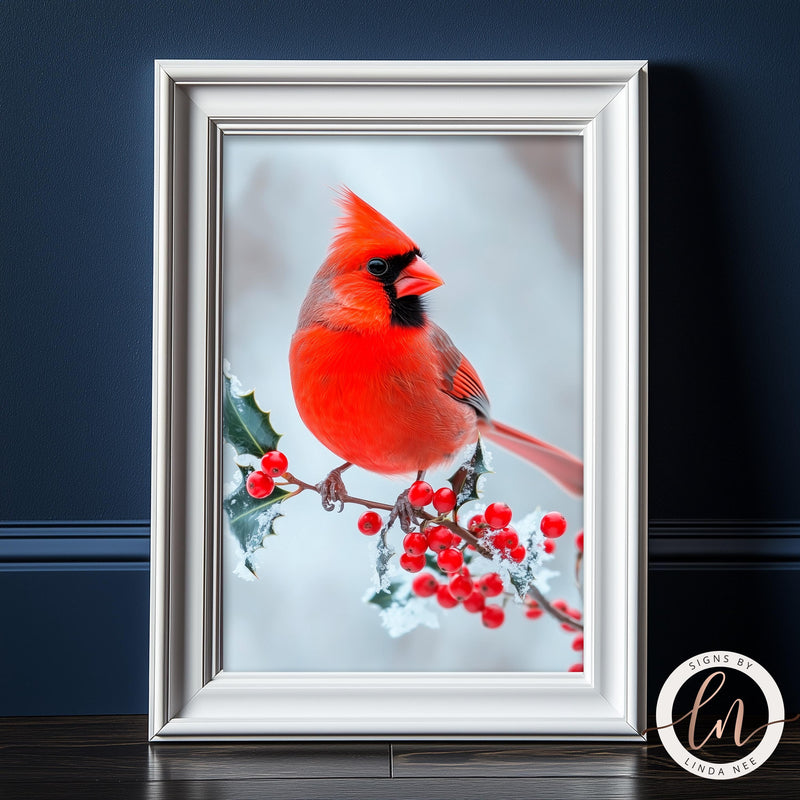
<point>332,489</point>
<point>403,512</point>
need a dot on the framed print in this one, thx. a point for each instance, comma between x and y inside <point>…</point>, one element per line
<point>399,428</point>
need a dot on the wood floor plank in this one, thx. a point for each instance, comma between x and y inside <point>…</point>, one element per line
<point>101,748</point>
<point>404,789</point>
<point>109,757</point>
<point>542,759</point>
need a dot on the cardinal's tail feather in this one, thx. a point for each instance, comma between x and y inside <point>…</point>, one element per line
<point>562,467</point>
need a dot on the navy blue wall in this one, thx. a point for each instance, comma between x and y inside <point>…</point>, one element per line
<point>76,215</point>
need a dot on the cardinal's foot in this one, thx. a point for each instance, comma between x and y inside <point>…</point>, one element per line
<point>332,490</point>
<point>404,513</point>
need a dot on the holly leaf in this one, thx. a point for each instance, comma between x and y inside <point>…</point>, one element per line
<point>522,576</point>
<point>385,597</point>
<point>244,425</point>
<point>465,479</point>
<point>251,520</point>
<point>249,431</point>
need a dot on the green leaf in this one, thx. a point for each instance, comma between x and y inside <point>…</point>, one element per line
<point>251,520</point>
<point>522,576</point>
<point>385,598</point>
<point>244,424</point>
<point>249,431</point>
<point>465,479</point>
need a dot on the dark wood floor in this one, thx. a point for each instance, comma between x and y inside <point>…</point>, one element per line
<point>108,757</point>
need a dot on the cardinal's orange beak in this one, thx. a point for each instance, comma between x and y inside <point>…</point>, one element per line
<point>417,278</point>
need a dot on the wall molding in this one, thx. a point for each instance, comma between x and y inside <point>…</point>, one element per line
<point>724,544</point>
<point>673,544</point>
<point>46,545</point>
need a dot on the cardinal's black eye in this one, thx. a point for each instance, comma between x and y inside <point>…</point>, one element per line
<point>377,267</point>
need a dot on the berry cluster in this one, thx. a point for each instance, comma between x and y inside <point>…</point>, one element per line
<point>261,482</point>
<point>462,588</point>
<point>494,526</point>
<point>442,550</point>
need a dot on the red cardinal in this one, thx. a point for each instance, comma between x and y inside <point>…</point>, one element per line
<point>374,379</point>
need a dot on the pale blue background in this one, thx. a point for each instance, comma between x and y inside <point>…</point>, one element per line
<point>500,219</point>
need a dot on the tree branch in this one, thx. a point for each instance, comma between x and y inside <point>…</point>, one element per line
<point>454,527</point>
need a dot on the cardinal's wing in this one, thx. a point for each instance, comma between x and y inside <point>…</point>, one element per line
<point>459,378</point>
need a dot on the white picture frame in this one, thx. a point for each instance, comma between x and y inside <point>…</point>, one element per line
<point>197,103</point>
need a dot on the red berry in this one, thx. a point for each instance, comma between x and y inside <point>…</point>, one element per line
<point>420,494</point>
<point>490,585</point>
<point>577,642</point>
<point>561,605</point>
<point>475,602</point>
<point>568,628</point>
<point>415,544</point>
<point>425,585</point>
<point>573,612</point>
<point>517,554</point>
<point>439,538</point>
<point>477,525</point>
<point>497,515</point>
<point>461,587</point>
<point>444,501</point>
<point>450,560</point>
<point>506,539</point>
<point>579,541</point>
<point>369,523</point>
<point>412,563</point>
<point>493,616</point>
<point>533,612</point>
<point>549,546</point>
<point>274,463</point>
<point>576,668</point>
<point>259,484</point>
<point>444,598</point>
<point>553,525</point>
